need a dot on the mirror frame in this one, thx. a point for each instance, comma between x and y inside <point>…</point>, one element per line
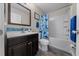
<point>9,15</point>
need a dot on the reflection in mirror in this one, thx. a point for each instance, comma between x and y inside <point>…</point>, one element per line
<point>15,18</point>
<point>19,14</point>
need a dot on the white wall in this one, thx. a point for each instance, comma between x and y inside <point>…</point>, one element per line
<point>73,9</point>
<point>2,28</point>
<point>77,42</point>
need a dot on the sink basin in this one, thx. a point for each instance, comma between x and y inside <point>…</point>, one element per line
<point>15,34</point>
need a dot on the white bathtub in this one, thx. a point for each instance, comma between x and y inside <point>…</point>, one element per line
<point>62,44</point>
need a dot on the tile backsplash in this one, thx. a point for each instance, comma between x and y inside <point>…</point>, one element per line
<point>10,29</point>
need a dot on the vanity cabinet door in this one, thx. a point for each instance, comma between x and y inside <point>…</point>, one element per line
<point>29,48</point>
<point>34,47</point>
<point>18,50</point>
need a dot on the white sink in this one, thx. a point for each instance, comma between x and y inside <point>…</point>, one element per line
<point>15,34</point>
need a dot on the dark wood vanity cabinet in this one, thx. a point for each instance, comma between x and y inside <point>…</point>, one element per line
<point>23,45</point>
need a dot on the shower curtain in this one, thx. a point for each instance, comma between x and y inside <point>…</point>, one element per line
<point>43,27</point>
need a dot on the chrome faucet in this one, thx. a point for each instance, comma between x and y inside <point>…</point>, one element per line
<point>25,29</point>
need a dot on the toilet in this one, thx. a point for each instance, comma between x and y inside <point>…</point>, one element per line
<point>43,44</point>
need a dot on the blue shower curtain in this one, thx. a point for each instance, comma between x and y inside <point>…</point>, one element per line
<point>43,27</point>
<point>73,28</point>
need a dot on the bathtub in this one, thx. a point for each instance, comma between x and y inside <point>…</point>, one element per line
<point>62,44</point>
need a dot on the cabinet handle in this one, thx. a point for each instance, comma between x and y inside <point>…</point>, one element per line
<point>29,43</point>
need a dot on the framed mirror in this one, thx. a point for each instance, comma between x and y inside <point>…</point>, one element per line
<point>19,14</point>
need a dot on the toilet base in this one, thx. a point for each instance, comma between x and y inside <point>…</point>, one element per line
<point>43,44</point>
<point>43,48</point>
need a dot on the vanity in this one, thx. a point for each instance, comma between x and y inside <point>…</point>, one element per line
<point>25,44</point>
<point>20,43</point>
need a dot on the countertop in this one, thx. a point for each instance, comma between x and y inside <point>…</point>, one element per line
<point>16,34</point>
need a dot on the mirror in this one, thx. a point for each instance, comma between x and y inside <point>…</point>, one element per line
<point>19,14</point>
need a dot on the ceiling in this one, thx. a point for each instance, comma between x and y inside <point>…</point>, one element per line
<point>48,7</point>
